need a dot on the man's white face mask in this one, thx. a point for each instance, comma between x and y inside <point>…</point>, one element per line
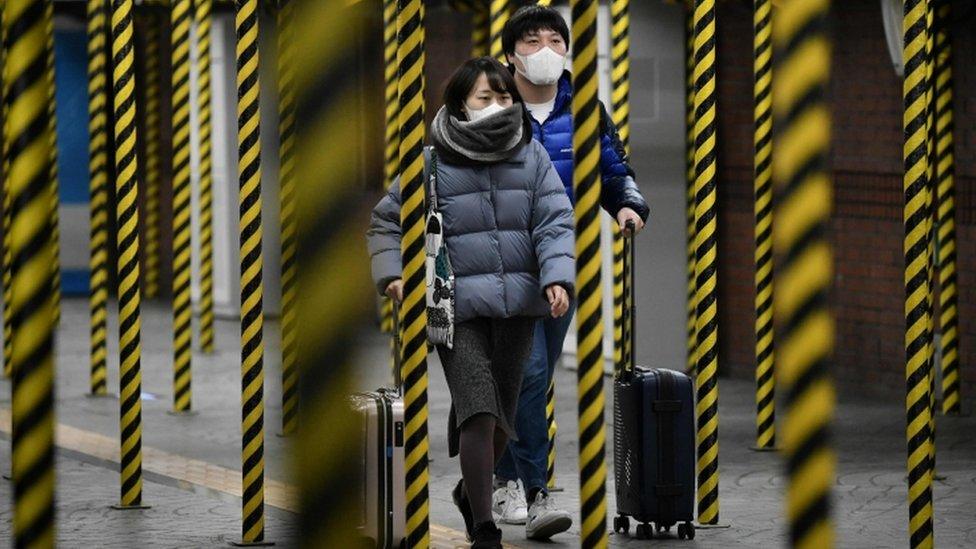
<point>475,115</point>
<point>542,68</point>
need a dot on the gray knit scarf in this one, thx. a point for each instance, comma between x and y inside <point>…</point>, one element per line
<point>492,139</point>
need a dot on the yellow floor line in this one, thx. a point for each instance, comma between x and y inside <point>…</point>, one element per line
<point>277,494</point>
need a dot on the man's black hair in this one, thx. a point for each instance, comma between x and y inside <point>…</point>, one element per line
<point>531,19</point>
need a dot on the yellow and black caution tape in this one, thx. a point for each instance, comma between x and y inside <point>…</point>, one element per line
<point>500,11</point>
<point>946,212</point>
<point>586,186</point>
<point>763,208</point>
<point>411,59</point>
<point>202,11</point>
<point>706,248</point>
<point>252,313</point>
<point>804,267</point>
<point>127,218</point>
<point>27,157</point>
<point>98,192</point>
<point>286,177</point>
<point>180,17</point>
<point>916,278</point>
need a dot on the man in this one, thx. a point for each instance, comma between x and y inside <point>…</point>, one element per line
<point>535,41</point>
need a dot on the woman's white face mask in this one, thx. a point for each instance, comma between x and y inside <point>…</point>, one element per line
<point>542,68</point>
<point>478,114</point>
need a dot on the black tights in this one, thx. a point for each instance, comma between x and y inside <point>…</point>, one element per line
<point>481,445</point>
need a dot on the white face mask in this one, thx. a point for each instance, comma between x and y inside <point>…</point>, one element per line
<point>542,68</point>
<point>475,115</point>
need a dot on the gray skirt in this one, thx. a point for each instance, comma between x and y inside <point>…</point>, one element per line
<point>484,371</point>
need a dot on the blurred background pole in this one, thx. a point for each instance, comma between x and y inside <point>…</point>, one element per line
<point>286,177</point>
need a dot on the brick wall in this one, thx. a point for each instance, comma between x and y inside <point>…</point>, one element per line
<point>866,229</point>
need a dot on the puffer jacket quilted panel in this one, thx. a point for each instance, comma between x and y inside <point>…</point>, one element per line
<point>509,234</point>
<point>619,189</point>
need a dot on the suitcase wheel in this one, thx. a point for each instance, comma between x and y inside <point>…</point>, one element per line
<point>644,531</point>
<point>686,531</point>
<point>621,524</point>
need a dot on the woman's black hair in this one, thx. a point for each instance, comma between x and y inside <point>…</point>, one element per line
<point>460,84</point>
<point>530,19</point>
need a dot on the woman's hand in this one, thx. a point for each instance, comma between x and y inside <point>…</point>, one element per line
<point>558,300</point>
<point>625,215</point>
<point>395,290</point>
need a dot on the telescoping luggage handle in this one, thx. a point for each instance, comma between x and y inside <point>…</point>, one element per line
<point>397,349</point>
<point>629,306</point>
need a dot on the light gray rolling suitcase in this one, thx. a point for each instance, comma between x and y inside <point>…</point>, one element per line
<point>383,503</point>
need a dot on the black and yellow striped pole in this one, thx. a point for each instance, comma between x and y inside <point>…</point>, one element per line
<point>180,17</point>
<point>706,261</point>
<point>620,99</point>
<point>27,157</point>
<point>98,192</point>
<point>411,58</point>
<point>392,97</point>
<point>551,429</point>
<point>763,208</point>
<point>392,134</point>
<point>202,10</point>
<point>153,157</point>
<point>916,278</point>
<point>946,212</point>
<point>127,218</point>
<point>8,326</point>
<point>252,313</point>
<point>804,265</point>
<point>499,13</point>
<point>332,218</point>
<point>930,223</point>
<point>54,214</point>
<point>5,252</point>
<point>589,315</point>
<point>692,344</point>
<point>286,179</point>
<point>480,32</point>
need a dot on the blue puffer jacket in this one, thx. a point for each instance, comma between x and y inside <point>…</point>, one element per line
<point>508,229</point>
<point>556,135</point>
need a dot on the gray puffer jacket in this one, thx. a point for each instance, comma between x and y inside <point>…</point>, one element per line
<point>509,234</point>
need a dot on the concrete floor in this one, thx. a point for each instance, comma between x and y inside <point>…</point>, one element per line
<point>193,463</point>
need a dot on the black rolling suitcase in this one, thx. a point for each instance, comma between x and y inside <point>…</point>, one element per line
<point>654,441</point>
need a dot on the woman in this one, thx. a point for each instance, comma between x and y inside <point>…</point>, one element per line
<point>508,227</point>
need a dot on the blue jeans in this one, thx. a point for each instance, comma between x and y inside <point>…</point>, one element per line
<point>527,458</point>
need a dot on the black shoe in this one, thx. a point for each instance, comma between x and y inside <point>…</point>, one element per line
<point>463,505</point>
<point>486,536</point>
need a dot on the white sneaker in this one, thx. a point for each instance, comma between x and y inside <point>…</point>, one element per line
<point>508,503</point>
<point>545,520</point>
